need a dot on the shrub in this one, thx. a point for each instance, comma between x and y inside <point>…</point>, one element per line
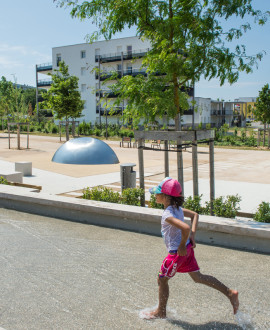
<point>153,204</point>
<point>263,212</point>
<point>194,204</point>
<point>3,180</point>
<point>132,196</point>
<point>97,132</point>
<point>226,207</point>
<point>54,129</point>
<point>100,193</point>
<point>131,134</point>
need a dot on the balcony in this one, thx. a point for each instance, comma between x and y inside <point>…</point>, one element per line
<point>116,57</point>
<point>44,68</point>
<point>221,113</point>
<point>188,90</point>
<point>118,73</point>
<point>188,112</point>
<point>44,83</point>
<point>116,111</point>
<point>106,93</point>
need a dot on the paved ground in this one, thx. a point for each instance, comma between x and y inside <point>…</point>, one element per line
<point>242,172</point>
<point>63,275</point>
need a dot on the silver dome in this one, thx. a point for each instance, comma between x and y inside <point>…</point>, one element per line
<point>86,150</point>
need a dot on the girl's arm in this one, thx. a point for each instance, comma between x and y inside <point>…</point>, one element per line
<point>185,229</point>
<point>194,217</point>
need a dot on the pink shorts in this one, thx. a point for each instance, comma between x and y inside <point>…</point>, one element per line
<point>174,263</point>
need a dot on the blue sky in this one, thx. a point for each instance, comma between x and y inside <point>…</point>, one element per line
<point>30,28</point>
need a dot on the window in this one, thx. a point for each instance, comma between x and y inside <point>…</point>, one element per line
<point>58,59</point>
<point>84,106</point>
<point>83,71</point>
<point>129,68</point>
<point>83,54</point>
<point>83,87</point>
<point>119,68</point>
<point>129,50</point>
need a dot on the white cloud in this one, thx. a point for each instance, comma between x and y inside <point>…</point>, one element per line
<point>7,62</point>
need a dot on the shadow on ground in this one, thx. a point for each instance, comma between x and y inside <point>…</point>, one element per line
<point>206,326</point>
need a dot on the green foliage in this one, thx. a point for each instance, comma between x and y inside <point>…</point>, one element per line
<point>132,196</point>
<point>189,40</point>
<point>3,180</point>
<point>263,212</point>
<point>153,204</point>
<point>63,97</point>
<point>222,206</point>
<point>226,207</point>
<point>262,110</point>
<point>101,193</point>
<point>194,204</point>
<point>12,101</point>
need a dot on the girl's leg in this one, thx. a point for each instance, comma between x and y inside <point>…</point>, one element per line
<point>214,283</point>
<point>160,312</point>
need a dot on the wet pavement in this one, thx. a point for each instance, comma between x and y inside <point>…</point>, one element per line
<point>57,274</point>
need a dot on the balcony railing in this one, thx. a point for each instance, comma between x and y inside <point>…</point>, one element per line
<point>221,113</point>
<point>44,83</point>
<point>44,67</point>
<point>106,93</point>
<point>114,57</point>
<point>188,112</point>
<point>110,112</point>
<point>118,73</point>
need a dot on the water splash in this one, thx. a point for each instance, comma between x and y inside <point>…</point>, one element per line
<point>143,314</point>
<point>244,321</point>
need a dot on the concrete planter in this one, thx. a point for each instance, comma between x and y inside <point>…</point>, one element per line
<point>240,234</point>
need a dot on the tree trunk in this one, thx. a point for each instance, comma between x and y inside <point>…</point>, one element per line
<point>73,128</point>
<point>264,131</point>
<point>67,130</point>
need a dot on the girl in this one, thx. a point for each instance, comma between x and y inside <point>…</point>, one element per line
<point>180,243</point>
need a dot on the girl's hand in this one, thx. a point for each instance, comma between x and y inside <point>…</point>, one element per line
<point>192,240</point>
<point>182,250</point>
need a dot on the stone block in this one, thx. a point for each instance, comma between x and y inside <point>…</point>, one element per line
<point>24,167</point>
<point>12,176</point>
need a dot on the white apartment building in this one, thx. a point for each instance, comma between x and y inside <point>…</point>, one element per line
<point>124,56</point>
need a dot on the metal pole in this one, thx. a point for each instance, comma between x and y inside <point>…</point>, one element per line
<point>122,74</point>
<point>166,158</point>
<point>141,168</point>
<point>212,174</point>
<point>8,136</point>
<point>99,90</point>
<point>193,107</point>
<point>37,94</point>
<point>195,167</point>
<point>28,136</point>
<point>106,122</point>
<point>180,168</point>
<point>18,136</point>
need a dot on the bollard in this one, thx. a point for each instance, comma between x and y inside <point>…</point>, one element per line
<point>128,176</point>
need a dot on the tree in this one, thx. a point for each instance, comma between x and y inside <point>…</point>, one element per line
<point>262,110</point>
<point>30,97</point>
<point>188,41</point>
<point>63,97</point>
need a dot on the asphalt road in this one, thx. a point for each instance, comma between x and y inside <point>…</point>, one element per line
<point>57,274</point>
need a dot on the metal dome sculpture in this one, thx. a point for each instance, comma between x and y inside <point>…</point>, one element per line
<point>85,151</point>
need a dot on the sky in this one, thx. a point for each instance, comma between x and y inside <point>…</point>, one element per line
<point>29,29</point>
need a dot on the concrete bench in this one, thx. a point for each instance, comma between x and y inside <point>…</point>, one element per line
<point>24,167</point>
<point>12,176</point>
